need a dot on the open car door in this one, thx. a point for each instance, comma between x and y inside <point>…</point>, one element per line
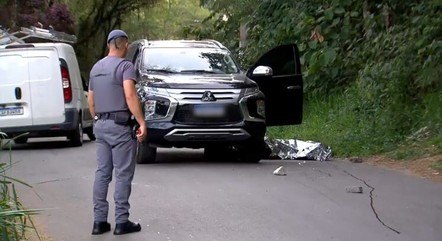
<point>278,74</point>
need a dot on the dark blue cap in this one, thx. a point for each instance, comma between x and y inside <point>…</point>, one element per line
<point>116,34</point>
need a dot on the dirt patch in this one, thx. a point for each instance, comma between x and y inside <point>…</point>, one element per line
<point>31,235</point>
<point>422,167</point>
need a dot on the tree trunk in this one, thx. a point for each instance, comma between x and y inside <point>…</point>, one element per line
<point>366,14</point>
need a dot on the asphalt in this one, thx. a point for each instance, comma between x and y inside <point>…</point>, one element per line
<point>186,198</point>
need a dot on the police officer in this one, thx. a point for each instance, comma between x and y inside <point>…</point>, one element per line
<point>112,99</point>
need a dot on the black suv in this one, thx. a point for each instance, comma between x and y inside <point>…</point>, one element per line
<point>195,95</point>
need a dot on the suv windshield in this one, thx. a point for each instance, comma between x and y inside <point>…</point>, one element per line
<point>183,60</point>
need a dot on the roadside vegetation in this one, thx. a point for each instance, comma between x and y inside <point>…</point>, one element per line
<point>371,68</point>
<point>438,165</point>
<point>15,220</point>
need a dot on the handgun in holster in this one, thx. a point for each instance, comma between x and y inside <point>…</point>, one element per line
<point>134,125</point>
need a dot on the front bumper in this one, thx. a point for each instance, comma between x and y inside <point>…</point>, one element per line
<point>50,130</point>
<point>168,134</point>
<point>179,126</point>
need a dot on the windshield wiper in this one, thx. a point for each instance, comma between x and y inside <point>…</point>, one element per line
<point>160,70</point>
<point>199,71</point>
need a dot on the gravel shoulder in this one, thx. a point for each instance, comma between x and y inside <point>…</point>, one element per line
<point>421,167</point>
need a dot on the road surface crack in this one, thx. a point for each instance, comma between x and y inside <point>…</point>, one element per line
<point>372,201</point>
<point>53,180</point>
<point>323,172</point>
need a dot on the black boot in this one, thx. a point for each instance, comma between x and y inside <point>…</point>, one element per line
<point>101,227</point>
<point>127,227</point>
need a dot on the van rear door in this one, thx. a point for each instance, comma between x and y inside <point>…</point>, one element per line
<point>46,86</point>
<point>31,91</point>
<point>15,93</point>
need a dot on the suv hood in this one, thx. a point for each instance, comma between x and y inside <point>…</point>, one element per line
<point>190,81</point>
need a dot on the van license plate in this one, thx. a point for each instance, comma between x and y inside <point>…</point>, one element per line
<point>209,110</point>
<point>11,111</point>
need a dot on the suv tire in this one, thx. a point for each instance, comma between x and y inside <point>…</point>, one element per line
<point>253,151</point>
<point>145,154</point>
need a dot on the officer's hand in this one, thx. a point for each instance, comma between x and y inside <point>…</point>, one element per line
<point>141,133</point>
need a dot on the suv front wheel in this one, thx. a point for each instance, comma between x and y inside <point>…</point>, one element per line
<point>253,151</point>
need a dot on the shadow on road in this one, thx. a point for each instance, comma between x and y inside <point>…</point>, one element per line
<point>188,156</point>
<point>44,144</point>
<point>180,156</point>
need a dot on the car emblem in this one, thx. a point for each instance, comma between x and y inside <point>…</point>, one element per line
<point>208,96</point>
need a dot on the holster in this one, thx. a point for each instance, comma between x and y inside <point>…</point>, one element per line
<point>134,125</point>
<point>120,118</point>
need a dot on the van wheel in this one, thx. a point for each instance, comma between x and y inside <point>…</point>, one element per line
<point>145,154</point>
<point>21,140</point>
<point>76,137</point>
<point>90,133</point>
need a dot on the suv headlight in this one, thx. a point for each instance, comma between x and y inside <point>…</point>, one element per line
<point>251,90</point>
<point>156,108</point>
<point>256,107</point>
<point>260,108</point>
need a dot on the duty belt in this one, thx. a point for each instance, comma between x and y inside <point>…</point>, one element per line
<point>105,116</point>
<point>118,117</point>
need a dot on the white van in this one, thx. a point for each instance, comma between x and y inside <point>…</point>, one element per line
<point>41,92</point>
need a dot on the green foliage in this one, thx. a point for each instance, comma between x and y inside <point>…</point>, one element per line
<point>371,68</point>
<point>173,19</point>
<point>95,19</point>
<point>25,13</point>
<point>337,121</point>
<point>334,122</point>
<point>226,18</point>
<point>14,219</point>
<point>400,86</point>
<point>438,165</point>
<point>151,19</point>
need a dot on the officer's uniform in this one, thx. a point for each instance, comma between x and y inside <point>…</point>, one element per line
<point>115,144</point>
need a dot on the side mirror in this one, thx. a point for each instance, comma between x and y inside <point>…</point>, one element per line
<point>262,71</point>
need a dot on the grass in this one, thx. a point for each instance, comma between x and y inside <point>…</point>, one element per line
<point>340,122</point>
<point>332,123</point>
<point>417,148</point>
<point>438,165</point>
<point>15,220</point>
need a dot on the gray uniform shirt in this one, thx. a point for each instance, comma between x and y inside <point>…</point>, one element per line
<point>106,81</point>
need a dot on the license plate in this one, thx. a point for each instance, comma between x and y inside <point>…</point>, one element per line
<point>209,111</point>
<point>11,111</point>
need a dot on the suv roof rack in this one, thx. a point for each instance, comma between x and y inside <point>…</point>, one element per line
<point>35,35</point>
<point>217,43</point>
<point>205,43</point>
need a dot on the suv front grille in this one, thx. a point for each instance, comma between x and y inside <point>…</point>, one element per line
<point>193,96</point>
<point>185,115</point>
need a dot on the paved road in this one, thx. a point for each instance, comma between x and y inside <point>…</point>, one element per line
<point>185,199</point>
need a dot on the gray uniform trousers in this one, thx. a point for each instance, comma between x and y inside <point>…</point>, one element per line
<point>115,149</point>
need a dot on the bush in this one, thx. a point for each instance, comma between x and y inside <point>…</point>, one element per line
<point>14,219</point>
<point>371,68</point>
